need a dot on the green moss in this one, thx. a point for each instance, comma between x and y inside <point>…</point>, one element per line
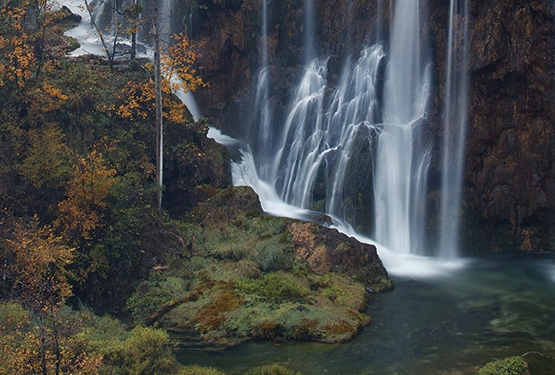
<point>151,294</point>
<point>508,366</point>
<point>73,44</point>
<point>341,290</point>
<point>213,315</point>
<point>275,286</point>
<point>260,239</point>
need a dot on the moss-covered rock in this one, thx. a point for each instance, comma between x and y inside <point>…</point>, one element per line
<point>326,250</point>
<point>508,366</point>
<point>244,274</point>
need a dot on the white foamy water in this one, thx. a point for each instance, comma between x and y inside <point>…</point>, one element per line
<point>407,265</point>
<point>84,32</point>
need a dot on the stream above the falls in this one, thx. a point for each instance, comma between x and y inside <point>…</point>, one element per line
<point>495,307</point>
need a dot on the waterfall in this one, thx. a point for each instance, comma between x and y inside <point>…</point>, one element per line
<point>321,130</point>
<point>454,116</point>
<point>302,137</point>
<point>310,30</point>
<point>263,117</point>
<point>369,125</point>
<point>403,158</point>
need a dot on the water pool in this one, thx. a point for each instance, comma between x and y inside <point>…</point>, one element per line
<point>495,307</point>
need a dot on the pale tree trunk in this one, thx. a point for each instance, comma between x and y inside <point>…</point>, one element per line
<point>158,99</point>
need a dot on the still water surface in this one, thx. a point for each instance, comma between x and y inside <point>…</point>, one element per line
<point>495,307</point>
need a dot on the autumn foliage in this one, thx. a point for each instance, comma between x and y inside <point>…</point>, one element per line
<point>77,219</point>
<point>136,100</point>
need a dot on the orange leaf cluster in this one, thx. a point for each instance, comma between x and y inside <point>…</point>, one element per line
<point>179,62</point>
<point>178,73</point>
<point>19,58</point>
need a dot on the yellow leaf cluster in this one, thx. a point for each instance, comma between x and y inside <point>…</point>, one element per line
<point>179,62</point>
<point>45,162</point>
<point>178,73</point>
<point>19,58</point>
<point>86,191</point>
<point>37,262</point>
<point>137,100</point>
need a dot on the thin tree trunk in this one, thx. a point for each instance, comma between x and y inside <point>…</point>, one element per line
<point>134,31</point>
<point>109,55</point>
<point>133,46</point>
<point>158,99</point>
<point>42,346</point>
<point>56,345</point>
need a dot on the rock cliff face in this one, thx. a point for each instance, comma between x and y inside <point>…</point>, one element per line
<point>510,170</point>
<point>511,140</point>
<point>510,175</point>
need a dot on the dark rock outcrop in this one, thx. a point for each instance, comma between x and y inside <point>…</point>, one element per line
<point>511,140</point>
<point>326,250</point>
<point>194,165</point>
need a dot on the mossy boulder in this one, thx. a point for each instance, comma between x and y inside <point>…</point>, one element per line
<point>326,250</point>
<point>243,274</point>
<point>279,305</point>
<point>508,366</point>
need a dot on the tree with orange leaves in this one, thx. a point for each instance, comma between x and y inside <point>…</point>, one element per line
<point>36,273</point>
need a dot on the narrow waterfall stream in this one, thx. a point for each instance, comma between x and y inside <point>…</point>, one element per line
<point>454,116</point>
<point>402,157</point>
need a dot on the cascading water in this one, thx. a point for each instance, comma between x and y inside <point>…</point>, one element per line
<point>377,108</point>
<point>402,157</point>
<point>262,105</point>
<point>321,129</point>
<point>455,128</point>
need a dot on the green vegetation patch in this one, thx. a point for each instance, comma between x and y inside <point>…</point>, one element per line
<point>234,299</point>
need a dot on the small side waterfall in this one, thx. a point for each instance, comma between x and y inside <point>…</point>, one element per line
<point>310,30</point>
<point>263,117</point>
<point>454,116</point>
